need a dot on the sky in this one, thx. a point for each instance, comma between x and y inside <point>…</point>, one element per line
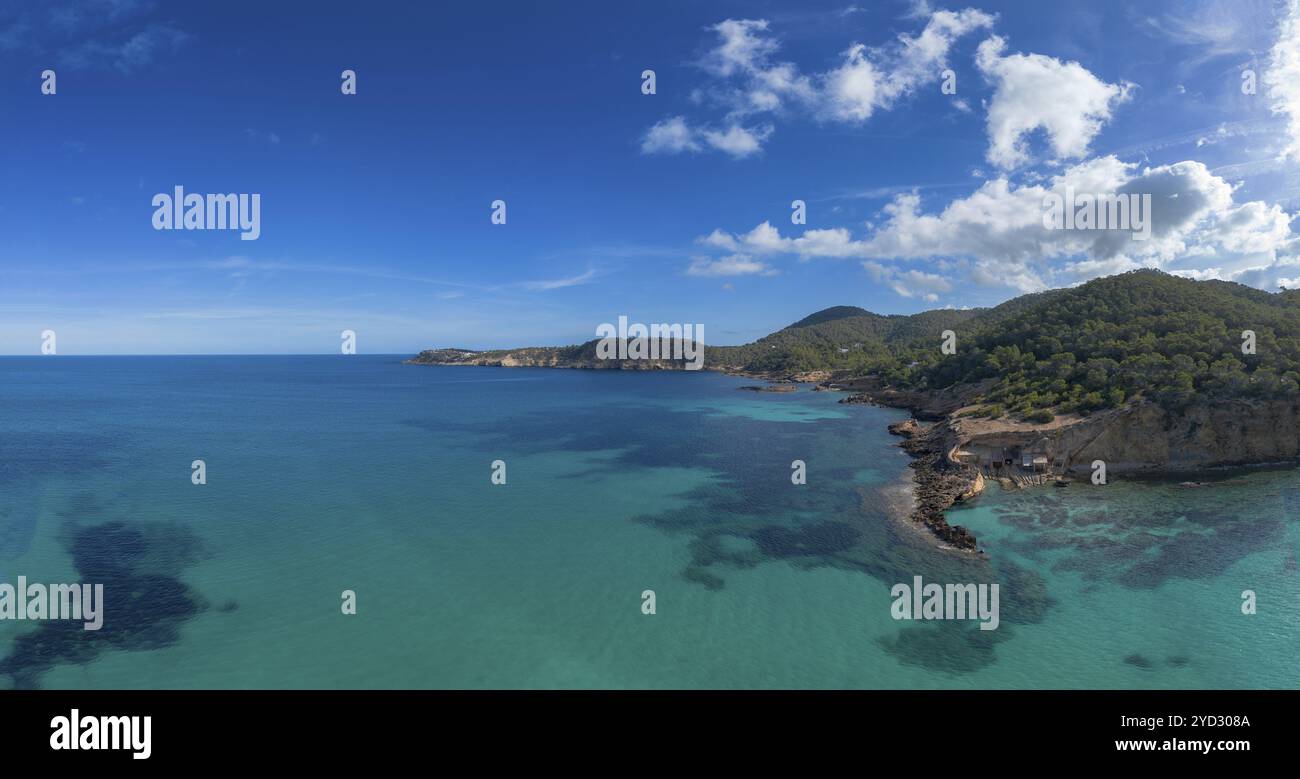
<point>921,137</point>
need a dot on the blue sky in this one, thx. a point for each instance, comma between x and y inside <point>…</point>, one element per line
<point>671,207</point>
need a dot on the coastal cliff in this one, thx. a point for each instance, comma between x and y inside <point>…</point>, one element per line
<point>952,456</point>
<point>1143,436</point>
<point>1142,371</point>
<point>1204,435</point>
<point>584,357</point>
<point>580,357</point>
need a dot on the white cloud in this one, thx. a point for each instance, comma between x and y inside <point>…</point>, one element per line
<point>674,136</point>
<point>743,47</point>
<point>732,265</point>
<point>737,141</point>
<point>851,88</point>
<point>549,284</point>
<point>669,136</point>
<point>909,283</point>
<point>1283,75</point>
<point>749,82</point>
<point>860,86</point>
<point>766,240</point>
<point>924,57</point>
<point>1032,92</point>
<point>1193,219</point>
<point>997,233</point>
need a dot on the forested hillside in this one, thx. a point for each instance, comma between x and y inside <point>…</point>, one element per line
<point>1139,334</point>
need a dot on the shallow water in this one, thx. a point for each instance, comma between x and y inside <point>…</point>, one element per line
<point>327,474</point>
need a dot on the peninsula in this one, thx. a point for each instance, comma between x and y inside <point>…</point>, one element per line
<point>1143,371</point>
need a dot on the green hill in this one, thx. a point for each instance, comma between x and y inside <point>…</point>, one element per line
<point>1140,334</point>
<point>843,338</point>
<point>1145,333</point>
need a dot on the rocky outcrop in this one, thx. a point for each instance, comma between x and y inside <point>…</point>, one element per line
<point>906,429</point>
<point>1140,437</point>
<point>811,377</point>
<point>769,388</point>
<point>940,483</point>
<point>924,404</point>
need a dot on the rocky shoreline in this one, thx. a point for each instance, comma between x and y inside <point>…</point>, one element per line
<point>939,482</point>
<point>954,456</point>
<point>1138,438</point>
<point>774,387</point>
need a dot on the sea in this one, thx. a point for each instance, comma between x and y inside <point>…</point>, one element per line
<point>362,523</point>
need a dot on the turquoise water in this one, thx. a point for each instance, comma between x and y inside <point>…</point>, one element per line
<point>327,474</point>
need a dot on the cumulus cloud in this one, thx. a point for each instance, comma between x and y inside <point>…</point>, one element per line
<point>997,233</point>
<point>669,136</point>
<point>921,58</point>
<point>766,240</point>
<point>737,141</point>
<point>1283,75</point>
<point>872,79</point>
<point>851,88</point>
<point>732,265</point>
<point>909,283</point>
<point>1032,92</point>
<point>674,136</point>
<point>1194,219</point>
<point>749,81</point>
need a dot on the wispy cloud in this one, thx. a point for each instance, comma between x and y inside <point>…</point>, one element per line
<point>93,34</point>
<point>258,136</point>
<point>549,284</point>
<point>1213,28</point>
<point>1283,75</point>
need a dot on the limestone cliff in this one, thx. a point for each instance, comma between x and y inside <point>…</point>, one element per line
<point>1147,437</point>
<point>953,455</point>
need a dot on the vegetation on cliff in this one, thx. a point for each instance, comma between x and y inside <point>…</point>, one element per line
<point>1140,334</point>
<point>1143,334</point>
